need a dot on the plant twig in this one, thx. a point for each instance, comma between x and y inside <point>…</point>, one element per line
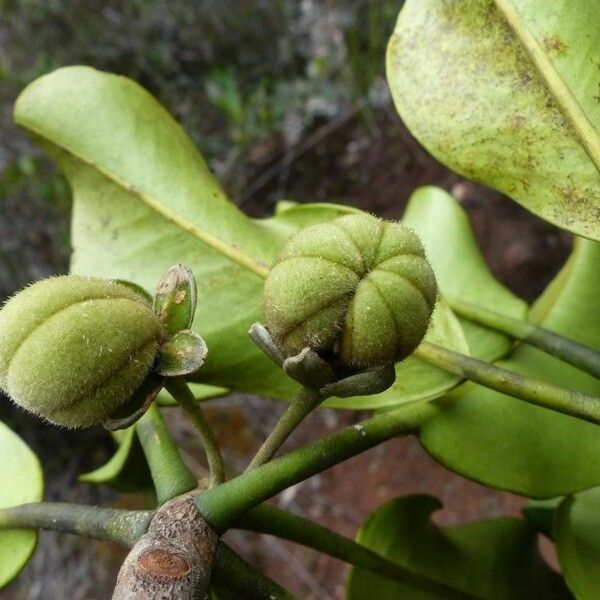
<point>579,355</point>
<point>222,505</point>
<point>109,524</point>
<point>126,527</point>
<point>534,391</point>
<point>301,406</point>
<point>274,521</point>
<point>170,474</point>
<point>233,573</point>
<point>179,389</point>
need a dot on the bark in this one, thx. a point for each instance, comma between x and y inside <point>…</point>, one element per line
<point>173,560</point>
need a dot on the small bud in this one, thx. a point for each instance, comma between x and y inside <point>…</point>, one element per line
<point>73,350</point>
<point>356,289</point>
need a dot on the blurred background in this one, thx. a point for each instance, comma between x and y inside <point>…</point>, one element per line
<point>285,99</point>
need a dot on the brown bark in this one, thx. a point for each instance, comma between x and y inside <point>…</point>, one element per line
<point>173,560</point>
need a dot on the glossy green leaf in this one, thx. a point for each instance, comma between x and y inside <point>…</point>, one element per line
<point>144,199</point>
<point>577,531</point>
<point>21,482</point>
<point>460,269</point>
<point>509,444</point>
<point>493,559</point>
<point>517,108</point>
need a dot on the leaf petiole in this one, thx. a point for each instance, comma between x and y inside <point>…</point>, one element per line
<point>180,391</point>
<point>535,391</point>
<point>579,355</point>
<point>301,406</point>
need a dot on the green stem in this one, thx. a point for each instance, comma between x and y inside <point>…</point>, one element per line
<point>179,389</point>
<point>108,524</point>
<point>170,474</point>
<point>126,527</point>
<point>305,401</point>
<point>274,521</point>
<point>233,573</point>
<point>222,505</point>
<point>534,391</point>
<point>579,355</point>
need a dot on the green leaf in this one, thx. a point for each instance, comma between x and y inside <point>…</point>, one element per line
<point>518,108</point>
<point>144,199</point>
<point>509,444</point>
<point>135,288</point>
<point>181,354</point>
<point>176,298</point>
<point>577,531</point>
<point>460,269</point>
<point>493,559</point>
<point>21,482</point>
<point>200,390</point>
<point>127,470</point>
<point>540,514</point>
<point>110,470</point>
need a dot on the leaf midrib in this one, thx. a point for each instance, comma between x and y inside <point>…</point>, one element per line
<point>226,250</point>
<point>567,102</point>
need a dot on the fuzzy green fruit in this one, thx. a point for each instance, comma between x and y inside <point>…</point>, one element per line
<point>74,349</point>
<point>357,288</point>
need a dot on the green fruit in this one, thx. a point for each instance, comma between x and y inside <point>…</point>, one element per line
<point>356,288</point>
<point>74,349</point>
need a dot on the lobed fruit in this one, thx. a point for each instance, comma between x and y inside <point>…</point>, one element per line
<point>357,288</point>
<point>74,349</point>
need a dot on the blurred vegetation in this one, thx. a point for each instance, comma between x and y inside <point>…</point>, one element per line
<point>249,80</point>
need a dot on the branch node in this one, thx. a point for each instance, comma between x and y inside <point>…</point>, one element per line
<point>174,559</point>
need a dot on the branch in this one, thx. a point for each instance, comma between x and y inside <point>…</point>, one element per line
<point>274,521</point>
<point>534,391</point>
<point>174,559</point>
<point>579,355</point>
<point>109,524</point>
<point>170,474</point>
<point>179,389</point>
<point>126,527</point>
<point>233,573</point>
<point>222,505</point>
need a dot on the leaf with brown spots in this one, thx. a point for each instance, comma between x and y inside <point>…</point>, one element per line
<point>182,354</point>
<point>505,92</point>
<point>175,298</point>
